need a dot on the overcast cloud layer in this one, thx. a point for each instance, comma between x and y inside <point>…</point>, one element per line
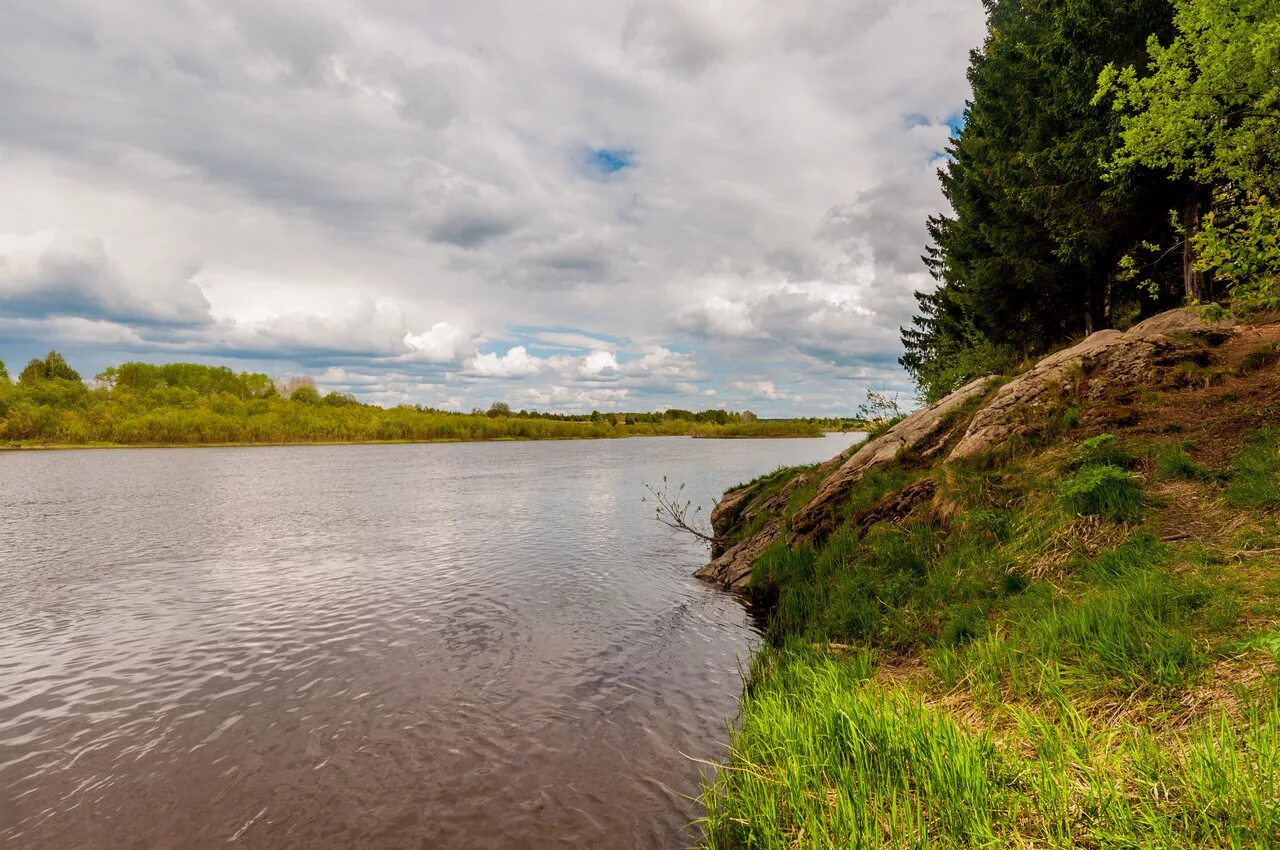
<point>564,205</point>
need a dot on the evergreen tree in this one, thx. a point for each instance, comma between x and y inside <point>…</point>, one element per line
<point>1028,254</point>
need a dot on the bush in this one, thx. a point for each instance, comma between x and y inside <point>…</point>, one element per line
<point>305,394</point>
<point>1104,490</point>
<point>1102,450</point>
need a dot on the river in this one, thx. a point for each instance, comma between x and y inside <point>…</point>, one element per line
<point>481,645</point>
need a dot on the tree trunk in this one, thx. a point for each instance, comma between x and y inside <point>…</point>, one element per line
<point>1088,308</point>
<point>1095,305</point>
<point>1192,280</point>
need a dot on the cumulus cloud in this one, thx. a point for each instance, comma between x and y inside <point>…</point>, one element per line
<point>575,399</point>
<point>443,343</point>
<point>514,364</point>
<point>598,364</point>
<point>388,189</point>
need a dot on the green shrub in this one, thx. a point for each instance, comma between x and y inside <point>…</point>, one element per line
<point>1102,450</point>
<point>1106,490</point>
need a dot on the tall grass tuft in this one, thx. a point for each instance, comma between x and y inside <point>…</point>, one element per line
<point>822,757</point>
<point>1255,476</point>
<point>1104,490</point>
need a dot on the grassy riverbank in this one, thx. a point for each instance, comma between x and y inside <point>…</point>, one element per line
<point>187,404</point>
<point>1073,643</point>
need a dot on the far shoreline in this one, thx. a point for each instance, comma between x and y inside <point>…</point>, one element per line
<point>53,447</point>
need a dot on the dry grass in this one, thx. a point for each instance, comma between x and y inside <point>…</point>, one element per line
<point>1193,512</point>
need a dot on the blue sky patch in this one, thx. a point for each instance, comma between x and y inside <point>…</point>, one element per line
<point>610,160</point>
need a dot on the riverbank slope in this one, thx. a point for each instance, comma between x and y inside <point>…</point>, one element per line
<point>1043,612</point>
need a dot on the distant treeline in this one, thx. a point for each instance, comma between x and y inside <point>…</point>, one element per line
<point>193,404</point>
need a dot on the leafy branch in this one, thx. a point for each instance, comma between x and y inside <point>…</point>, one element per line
<point>675,511</point>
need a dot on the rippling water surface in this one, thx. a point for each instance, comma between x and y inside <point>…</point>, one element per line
<point>467,645</point>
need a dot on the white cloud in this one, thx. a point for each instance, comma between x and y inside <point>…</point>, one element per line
<point>54,273</point>
<point>598,363</point>
<point>443,343</point>
<point>384,188</point>
<point>759,389</point>
<point>514,364</point>
<point>569,398</point>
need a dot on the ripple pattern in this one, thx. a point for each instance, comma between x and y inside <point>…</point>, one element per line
<point>467,645</point>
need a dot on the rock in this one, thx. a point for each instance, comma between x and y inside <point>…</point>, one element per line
<point>732,569</point>
<point>1107,369</point>
<point>924,432</point>
<point>725,515</point>
<point>1104,362</point>
<point>1183,321</point>
<point>896,505</point>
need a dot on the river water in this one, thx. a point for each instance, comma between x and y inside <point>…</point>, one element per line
<point>453,645</point>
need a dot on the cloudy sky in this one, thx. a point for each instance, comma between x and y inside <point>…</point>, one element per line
<point>564,205</point>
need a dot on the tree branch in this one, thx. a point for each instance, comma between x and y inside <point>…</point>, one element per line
<point>678,513</point>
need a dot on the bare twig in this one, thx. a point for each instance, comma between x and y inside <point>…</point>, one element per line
<point>678,513</point>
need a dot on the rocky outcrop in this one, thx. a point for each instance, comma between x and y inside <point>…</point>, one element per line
<point>923,433</point>
<point>732,569</point>
<point>1103,362</point>
<point>726,513</point>
<point>1099,370</point>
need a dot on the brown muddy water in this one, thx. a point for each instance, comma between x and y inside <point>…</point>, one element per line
<point>468,645</point>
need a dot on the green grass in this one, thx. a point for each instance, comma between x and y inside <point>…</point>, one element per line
<point>1016,675</point>
<point>1105,490</point>
<point>1262,358</point>
<point>826,756</point>
<point>1174,462</point>
<point>822,754</point>
<point>1255,476</point>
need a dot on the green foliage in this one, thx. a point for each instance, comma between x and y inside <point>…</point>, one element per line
<point>4,373</point>
<point>1239,242</point>
<point>1103,490</point>
<point>1207,107</point>
<point>943,362</point>
<point>1255,476</point>
<point>53,368</point>
<point>337,399</point>
<point>1208,111</point>
<point>205,380</point>
<point>1026,255</point>
<point>305,395</point>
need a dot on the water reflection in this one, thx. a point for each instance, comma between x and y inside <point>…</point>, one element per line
<point>483,645</point>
